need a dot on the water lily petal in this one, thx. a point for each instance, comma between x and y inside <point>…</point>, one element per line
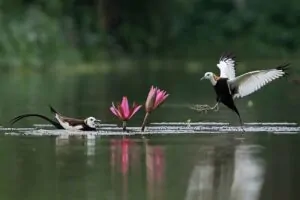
<point>123,111</point>
<point>115,111</point>
<point>150,101</point>
<point>160,98</point>
<point>151,92</point>
<point>134,109</point>
<point>159,95</point>
<point>165,96</point>
<point>125,107</point>
<point>134,105</point>
<point>120,109</point>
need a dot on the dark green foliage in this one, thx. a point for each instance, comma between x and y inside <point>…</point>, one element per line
<point>38,33</point>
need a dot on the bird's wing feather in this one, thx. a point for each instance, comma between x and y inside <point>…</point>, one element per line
<point>62,118</point>
<point>226,65</point>
<point>71,121</point>
<point>252,81</point>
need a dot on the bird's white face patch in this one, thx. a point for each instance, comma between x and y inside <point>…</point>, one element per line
<point>92,122</point>
<point>210,76</point>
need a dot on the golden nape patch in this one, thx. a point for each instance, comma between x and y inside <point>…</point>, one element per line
<point>216,78</point>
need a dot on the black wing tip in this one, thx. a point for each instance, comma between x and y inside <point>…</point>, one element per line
<point>284,67</point>
<point>227,55</point>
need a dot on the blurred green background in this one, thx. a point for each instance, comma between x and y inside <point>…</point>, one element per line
<point>41,34</point>
<point>81,55</point>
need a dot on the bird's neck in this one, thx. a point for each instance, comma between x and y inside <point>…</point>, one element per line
<point>214,79</point>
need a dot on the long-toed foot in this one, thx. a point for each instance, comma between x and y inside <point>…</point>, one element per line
<point>216,108</point>
<point>201,108</point>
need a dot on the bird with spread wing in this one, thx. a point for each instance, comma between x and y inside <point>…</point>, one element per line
<point>229,87</point>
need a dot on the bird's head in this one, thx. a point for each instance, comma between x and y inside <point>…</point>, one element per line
<point>208,75</point>
<point>92,122</point>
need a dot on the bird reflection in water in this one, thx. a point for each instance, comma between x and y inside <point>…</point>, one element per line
<point>227,173</point>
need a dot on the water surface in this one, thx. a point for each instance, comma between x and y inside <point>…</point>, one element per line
<point>203,161</point>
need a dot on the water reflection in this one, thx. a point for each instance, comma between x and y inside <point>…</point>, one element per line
<point>248,173</point>
<point>227,173</point>
<point>155,169</point>
<point>201,180</point>
<point>125,159</point>
<point>127,154</point>
<point>137,169</point>
<point>124,153</point>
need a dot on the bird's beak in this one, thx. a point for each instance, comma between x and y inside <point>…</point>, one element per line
<point>201,78</point>
<point>97,122</point>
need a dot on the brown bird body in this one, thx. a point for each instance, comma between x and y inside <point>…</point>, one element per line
<point>68,123</point>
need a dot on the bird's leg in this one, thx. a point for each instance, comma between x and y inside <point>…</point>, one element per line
<point>216,107</point>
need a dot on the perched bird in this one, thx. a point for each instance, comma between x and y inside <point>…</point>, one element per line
<point>229,87</point>
<point>88,124</point>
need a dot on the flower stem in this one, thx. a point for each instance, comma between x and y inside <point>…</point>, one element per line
<point>145,121</point>
<point>124,125</point>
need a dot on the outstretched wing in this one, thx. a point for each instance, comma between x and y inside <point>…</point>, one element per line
<point>226,65</point>
<point>252,81</point>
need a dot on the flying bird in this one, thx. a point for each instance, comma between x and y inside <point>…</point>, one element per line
<point>228,87</point>
<point>88,124</point>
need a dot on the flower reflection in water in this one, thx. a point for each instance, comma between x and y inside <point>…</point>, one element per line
<point>124,154</point>
<point>155,162</point>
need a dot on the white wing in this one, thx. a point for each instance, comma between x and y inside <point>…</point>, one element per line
<point>252,81</point>
<point>227,66</point>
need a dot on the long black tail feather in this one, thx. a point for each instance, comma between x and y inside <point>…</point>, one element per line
<point>240,119</point>
<point>52,110</point>
<point>16,119</point>
<point>241,122</point>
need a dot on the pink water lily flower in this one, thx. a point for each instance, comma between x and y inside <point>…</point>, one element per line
<point>156,97</point>
<point>123,110</point>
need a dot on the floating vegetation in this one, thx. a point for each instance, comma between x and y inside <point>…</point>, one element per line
<point>50,125</point>
<point>190,123</point>
<point>164,128</point>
